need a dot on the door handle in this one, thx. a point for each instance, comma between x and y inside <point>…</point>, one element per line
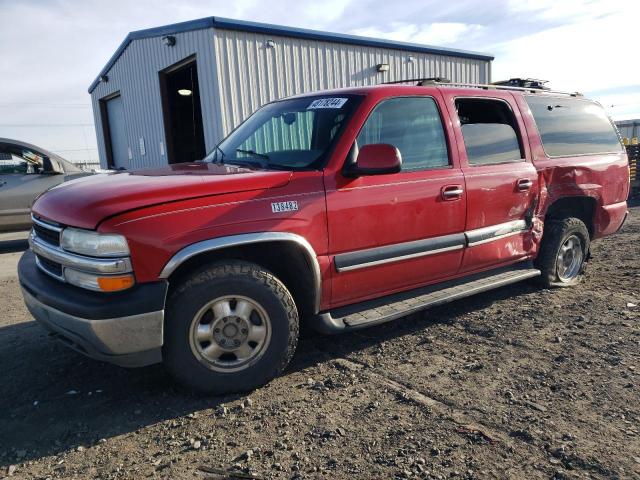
<point>452,192</point>
<point>524,184</point>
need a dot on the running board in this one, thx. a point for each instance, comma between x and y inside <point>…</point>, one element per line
<point>386,309</point>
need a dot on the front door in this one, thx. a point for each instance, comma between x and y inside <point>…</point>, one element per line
<point>393,232</point>
<point>501,181</point>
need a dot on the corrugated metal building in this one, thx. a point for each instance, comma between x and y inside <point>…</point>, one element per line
<point>171,93</point>
<point>629,128</point>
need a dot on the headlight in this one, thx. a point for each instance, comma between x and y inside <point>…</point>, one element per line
<point>99,283</point>
<point>94,244</point>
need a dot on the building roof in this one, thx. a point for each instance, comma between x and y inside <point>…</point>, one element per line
<point>265,28</point>
<point>622,123</point>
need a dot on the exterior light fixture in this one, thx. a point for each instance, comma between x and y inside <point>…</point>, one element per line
<point>104,78</point>
<point>185,92</point>
<point>411,59</point>
<point>169,40</point>
<point>270,44</point>
<point>382,67</point>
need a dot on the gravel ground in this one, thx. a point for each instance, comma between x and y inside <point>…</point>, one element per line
<point>516,383</point>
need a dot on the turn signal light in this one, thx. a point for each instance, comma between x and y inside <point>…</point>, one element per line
<point>113,284</point>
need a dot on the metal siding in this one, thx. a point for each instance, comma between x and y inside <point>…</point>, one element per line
<point>237,74</point>
<point>136,76</point>
<point>629,129</point>
<point>251,74</point>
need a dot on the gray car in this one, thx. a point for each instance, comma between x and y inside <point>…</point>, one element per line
<point>25,172</point>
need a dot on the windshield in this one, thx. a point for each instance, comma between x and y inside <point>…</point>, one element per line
<point>289,134</point>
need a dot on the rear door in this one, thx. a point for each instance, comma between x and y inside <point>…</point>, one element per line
<point>397,231</point>
<point>501,182</point>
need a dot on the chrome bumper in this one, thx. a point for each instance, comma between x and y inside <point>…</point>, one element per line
<point>132,341</point>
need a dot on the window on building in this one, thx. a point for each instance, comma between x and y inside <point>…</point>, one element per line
<point>489,130</point>
<point>572,126</point>
<point>412,125</point>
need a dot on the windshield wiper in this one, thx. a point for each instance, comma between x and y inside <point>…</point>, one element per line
<point>253,152</point>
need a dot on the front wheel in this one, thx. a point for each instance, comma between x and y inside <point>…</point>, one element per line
<point>563,252</point>
<point>229,328</point>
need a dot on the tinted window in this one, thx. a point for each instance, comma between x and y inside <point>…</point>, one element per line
<point>413,126</point>
<point>489,130</point>
<point>571,126</point>
<point>488,143</point>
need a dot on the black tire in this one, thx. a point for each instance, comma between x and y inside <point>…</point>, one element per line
<point>219,280</point>
<point>556,234</point>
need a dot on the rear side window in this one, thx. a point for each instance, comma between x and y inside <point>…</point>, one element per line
<point>572,126</point>
<point>413,126</point>
<point>489,130</point>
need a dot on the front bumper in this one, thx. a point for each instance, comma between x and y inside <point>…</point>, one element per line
<point>124,328</point>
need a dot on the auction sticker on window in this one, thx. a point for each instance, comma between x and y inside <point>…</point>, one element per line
<point>279,207</point>
<point>327,103</point>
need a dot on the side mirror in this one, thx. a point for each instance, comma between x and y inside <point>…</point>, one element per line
<point>375,159</point>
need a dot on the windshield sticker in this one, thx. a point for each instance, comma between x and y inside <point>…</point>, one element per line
<point>279,207</point>
<point>327,103</point>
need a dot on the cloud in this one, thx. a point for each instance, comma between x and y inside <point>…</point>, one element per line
<point>51,50</point>
<point>428,34</point>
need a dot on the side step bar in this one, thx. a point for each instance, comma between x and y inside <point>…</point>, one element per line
<point>386,309</point>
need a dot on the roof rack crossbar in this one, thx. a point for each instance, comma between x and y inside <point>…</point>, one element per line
<point>438,81</point>
<point>420,81</point>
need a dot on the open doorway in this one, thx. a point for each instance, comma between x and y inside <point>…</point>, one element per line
<point>182,113</point>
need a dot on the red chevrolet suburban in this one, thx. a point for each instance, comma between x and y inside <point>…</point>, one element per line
<point>345,208</point>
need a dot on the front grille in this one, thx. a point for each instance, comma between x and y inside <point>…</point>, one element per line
<point>52,237</point>
<point>51,267</point>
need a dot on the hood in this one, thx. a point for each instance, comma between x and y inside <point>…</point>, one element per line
<point>87,201</point>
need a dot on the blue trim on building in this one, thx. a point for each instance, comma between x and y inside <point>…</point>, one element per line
<point>279,30</point>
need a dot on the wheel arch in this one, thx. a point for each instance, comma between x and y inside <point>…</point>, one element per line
<point>264,248</point>
<point>582,207</point>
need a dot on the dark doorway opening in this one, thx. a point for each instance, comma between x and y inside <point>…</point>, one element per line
<point>182,113</point>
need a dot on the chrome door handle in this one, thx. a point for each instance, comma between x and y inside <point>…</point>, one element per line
<point>452,192</point>
<point>524,184</point>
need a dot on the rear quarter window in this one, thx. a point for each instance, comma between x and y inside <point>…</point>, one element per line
<point>572,126</point>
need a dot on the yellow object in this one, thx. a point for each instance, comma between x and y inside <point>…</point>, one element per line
<point>634,141</point>
<point>113,284</point>
<point>625,141</point>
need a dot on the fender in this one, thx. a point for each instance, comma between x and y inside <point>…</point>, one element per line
<point>219,243</point>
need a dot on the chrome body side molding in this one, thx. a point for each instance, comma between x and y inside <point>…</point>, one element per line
<point>370,257</point>
<point>247,239</point>
<point>400,251</point>
<point>494,232</point>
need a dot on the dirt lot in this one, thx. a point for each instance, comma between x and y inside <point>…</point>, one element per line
<point>517,383</point>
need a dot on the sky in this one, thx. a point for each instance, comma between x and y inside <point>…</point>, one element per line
<point>51,50</point>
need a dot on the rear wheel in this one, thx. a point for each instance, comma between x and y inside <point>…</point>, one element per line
<point>563,252</point>
<point>229,328</point>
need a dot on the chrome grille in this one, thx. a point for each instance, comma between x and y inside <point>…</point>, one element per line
<point>46,232</point>
<point>49,267</point>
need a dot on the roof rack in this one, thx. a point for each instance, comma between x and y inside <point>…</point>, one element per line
<point>523,83</point>
<point>420,82</point>
<point>528,85</point>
